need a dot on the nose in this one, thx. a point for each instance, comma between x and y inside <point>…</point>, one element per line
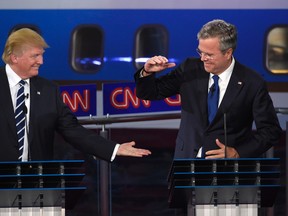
<point>40,60</point>
<point>204,57</point>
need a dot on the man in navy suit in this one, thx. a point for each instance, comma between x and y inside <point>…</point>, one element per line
<point>243,99</point>
<point>45,111</point>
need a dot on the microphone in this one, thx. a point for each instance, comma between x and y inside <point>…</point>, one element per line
<point>25,110</point>
<point>26,97</point>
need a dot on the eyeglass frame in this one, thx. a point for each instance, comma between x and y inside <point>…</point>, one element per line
<point>206,55</point>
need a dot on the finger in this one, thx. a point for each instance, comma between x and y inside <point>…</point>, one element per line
<point>218,143</point>
<point>214,152</point>
<point>159,61</point>
<point>132,143</point>
<point>170,64</point>
<point>214,156</point>
<point>140,152</point>
<point>163,59</point>
<point>143,152</point>
<point>217,153</point>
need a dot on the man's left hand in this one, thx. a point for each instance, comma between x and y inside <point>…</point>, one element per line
<point>220,153</point>
<point>128,149</point>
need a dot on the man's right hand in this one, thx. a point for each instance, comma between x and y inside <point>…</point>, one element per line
<point>156,64</point>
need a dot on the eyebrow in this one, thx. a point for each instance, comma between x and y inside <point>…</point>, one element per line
<point>204,52</point>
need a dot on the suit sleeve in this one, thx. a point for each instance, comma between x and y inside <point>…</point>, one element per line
<point>268,130</point>
<point>81,138</point>
<point>156,87</point>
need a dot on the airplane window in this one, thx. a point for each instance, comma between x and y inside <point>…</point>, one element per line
<point>277,50</point>
<point>87,49</point>
<point>30,26</point>
<point>150,40</point>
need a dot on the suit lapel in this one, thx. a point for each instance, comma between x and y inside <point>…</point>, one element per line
<point>6,105</point>
<point>203,87</point>
<point>35,93</point>
<point>234,87</point>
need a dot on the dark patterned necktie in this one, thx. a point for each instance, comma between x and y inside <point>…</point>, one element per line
<point>20,117</point>
<point>213,99</point>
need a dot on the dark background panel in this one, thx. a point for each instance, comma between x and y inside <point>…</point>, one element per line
<point>139,185</point>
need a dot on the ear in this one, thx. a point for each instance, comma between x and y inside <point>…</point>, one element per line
<point>13,58</point>
<point>229,53</point>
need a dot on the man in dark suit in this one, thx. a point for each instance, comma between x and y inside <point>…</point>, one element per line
<point>45,111</point>
<point>243,98</point>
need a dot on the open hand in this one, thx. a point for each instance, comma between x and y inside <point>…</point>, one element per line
<point>128,149</point>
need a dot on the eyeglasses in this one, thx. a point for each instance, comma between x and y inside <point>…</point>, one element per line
<point>205,55</point>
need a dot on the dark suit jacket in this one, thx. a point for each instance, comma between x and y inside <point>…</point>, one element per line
<point>48,114</point>
<point>246,100</point>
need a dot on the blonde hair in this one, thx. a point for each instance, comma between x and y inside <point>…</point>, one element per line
<point>18,40</point>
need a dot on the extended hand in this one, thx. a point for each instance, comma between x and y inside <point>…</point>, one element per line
<point>157,63</point>
<point>127,149</point>
<point>220,153</point>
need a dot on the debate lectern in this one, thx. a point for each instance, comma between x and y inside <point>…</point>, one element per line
<point>224,186</point>
<point>44,188</point>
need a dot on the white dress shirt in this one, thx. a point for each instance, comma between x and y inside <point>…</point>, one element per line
<point>13,80</point>
<point>224,79</point>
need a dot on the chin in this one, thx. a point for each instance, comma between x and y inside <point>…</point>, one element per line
<point>208,69</point>
<point>35,73</point>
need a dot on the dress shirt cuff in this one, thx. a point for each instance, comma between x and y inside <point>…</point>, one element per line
<point>199,153</point>
<point>142,73</point>
<point>115,152</point>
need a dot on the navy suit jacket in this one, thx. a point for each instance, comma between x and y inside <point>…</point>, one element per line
<point>48,114</point>
<point>246,101</point>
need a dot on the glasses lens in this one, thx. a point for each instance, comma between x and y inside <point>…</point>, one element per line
<point>204,55</point>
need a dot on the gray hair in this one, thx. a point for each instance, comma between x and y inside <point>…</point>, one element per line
<point>226,32</point>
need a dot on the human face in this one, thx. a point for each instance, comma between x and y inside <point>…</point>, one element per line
<point>26,64</point>
<point>214,60</point>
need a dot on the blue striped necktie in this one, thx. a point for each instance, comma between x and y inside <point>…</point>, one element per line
<point>213,99</point>
<point>20,117</point>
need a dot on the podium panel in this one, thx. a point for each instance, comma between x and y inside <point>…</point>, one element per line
<point>200,182</point>
<point>41,186</point>
<point>227,210</point>
<point>32,211</point>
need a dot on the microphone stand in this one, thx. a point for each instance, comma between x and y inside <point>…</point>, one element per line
<point>225,136</point>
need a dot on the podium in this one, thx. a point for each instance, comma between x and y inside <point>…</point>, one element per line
<point>223,186</point>
<point>39,187</point>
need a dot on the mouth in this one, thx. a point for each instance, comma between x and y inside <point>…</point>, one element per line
<point>207,63</point>
<point>208,67</point>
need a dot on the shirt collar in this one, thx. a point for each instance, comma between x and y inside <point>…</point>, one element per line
<point>13,78</point>
<point>225,75</point>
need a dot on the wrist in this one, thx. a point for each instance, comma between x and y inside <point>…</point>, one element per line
<point>146,73</point>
